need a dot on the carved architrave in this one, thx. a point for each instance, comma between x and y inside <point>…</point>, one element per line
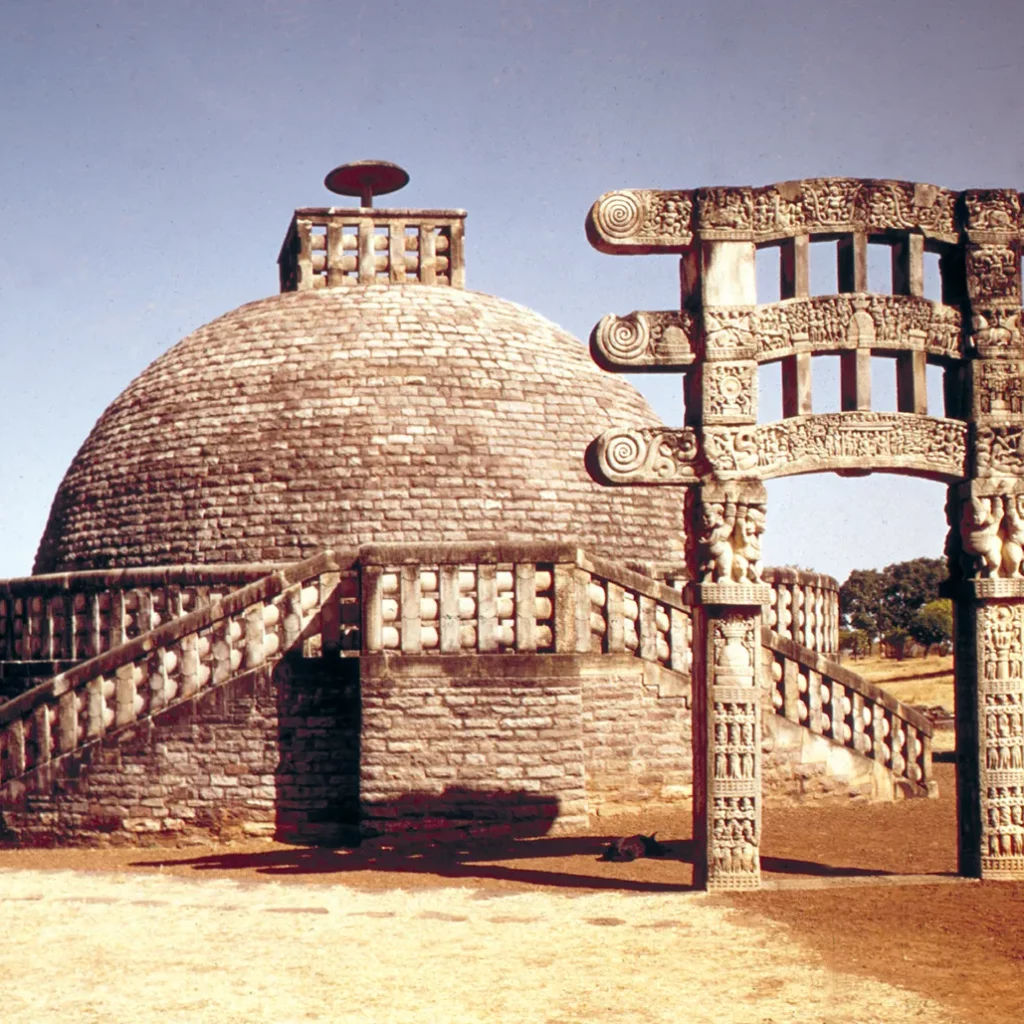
<point>662,340</point>
<point>729,392</point>
<point>734,752</point>
<point>641,220</point>
<point>831,323</point>
<point>651,220</point>
<point>993,274</point>
<point>731,451</point>
<point>1001,738</point>
<point>897,442</point>
<point>728,334</point>
<point>647,456</point>
<point>826,204</point>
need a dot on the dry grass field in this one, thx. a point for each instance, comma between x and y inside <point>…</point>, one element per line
<point>914,681</point>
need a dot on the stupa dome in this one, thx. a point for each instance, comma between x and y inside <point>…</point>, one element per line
<point>337,416</point>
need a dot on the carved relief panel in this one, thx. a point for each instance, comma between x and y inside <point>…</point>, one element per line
<point>729,392</point>
<point>993,274</point>
<point>997,389</point>
<point>1001,737</point>
<point>732,522</point>
<point>734,752</point>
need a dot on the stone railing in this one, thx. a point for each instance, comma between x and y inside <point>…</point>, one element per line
<point>245,630</point>
<point>471,597</point>
<point>74,616</point>
<point>331,248</point>
<point>493,599</point>
<point>483,599</point>
<point>804,608</point>
<point>832,701</point>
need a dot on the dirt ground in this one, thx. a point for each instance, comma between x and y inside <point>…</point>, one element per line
<point>861,920</point>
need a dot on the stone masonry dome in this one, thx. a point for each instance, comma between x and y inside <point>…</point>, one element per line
<point>334,417</point>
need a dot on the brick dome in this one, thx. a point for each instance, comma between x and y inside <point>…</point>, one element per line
<point>337,417</point>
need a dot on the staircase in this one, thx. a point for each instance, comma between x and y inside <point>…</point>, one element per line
<point>402,601</point>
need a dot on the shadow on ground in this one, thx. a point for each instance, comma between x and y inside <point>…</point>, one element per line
<point>581,863</point>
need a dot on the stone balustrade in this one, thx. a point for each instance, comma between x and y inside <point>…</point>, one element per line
<point>490,599</point>
<point>409,600</point>
<point>834,702</point>
<point>805,608</point>
<point>75,616</point>
<point>243,631</point>
<point>331,248</point>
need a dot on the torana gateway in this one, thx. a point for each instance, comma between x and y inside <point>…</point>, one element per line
<point>337,564</point>
<point>720,335</point>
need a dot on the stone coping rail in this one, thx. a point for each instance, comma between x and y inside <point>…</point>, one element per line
<point>71,616</point>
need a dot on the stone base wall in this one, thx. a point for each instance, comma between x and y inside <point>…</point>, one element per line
<point>798,765</point>
<point>326,751</point>
<point>636,735</point>
<point>531,743</point>
<point>263,755</point>
<point>482,745</point>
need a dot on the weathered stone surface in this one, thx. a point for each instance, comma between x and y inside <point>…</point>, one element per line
<point>275,754</point>
<point>345,416</point>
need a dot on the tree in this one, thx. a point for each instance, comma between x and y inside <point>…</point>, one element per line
<point>860,599</point>
<point>885,603</point>
<point>911,585</point>
<point>933,622</point>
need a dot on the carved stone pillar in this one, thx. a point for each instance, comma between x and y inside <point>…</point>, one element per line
<point>727,606</point>
<point>990,730</point>
<point>988,543</point>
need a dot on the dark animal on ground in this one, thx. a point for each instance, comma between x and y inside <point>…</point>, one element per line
<point>632,847</point>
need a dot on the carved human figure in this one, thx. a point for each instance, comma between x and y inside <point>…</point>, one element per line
<point>1013,536</point>
<point>749,528</point>
<point>717,527</point>
<point>979,532</point>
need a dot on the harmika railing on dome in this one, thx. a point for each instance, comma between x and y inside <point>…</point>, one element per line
<point>333,247</point>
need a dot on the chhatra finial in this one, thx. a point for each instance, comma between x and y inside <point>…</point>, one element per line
<point>366,179</point>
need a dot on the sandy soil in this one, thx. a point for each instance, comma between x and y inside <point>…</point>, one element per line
<point>861,921</point>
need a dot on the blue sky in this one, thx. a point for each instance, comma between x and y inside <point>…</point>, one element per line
<point>151,155</point>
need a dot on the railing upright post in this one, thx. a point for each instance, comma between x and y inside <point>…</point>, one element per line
<point>566,599</point>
